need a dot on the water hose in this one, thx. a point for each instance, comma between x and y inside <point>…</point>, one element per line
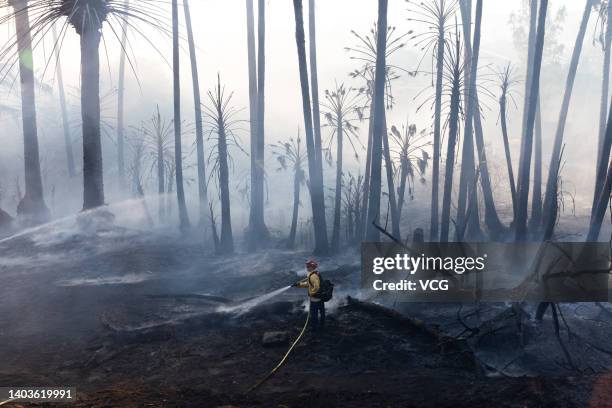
<point>263,380</point>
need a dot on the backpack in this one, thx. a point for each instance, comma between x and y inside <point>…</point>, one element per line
<point>326,290</point>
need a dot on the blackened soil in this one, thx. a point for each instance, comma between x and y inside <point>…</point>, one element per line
<point>367,357</point>
<point>79,312</point>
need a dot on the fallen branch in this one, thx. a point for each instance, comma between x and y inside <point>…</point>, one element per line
<point>558,335</point>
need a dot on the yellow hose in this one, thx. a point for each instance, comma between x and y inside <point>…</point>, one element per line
<point>283,359</point>
<point>7,401</point>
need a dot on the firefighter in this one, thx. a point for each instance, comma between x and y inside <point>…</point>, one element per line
<point>317,306</point>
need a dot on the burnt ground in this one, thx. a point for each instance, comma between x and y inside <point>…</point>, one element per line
<point>368,357</point>
<point>133,320</point>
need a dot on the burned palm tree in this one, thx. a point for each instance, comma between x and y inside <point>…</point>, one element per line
<point>314,83</point>
<point>494,226</point>
<point>379,127</point>
<point>467,193</point>
<point>257,232</point>
<point>170,180</point>
<point>506,81</point>
<point>467,203</point>
<point>221,118</point>
<point>87,17</point>
<point>197,100</point>
<point>603,202</point>
<point>604,38</point>
<point>176,91</point>
<point>87,21</point>
<point>436,16</point>
<point>602,179</point>
<point>136,143</point>
<point>525,158</point>
<point>553,48</point>
<point>411,156</point>
<point>121,103</point>
<point>157,139</point>
<point>454,76</point>
<point>291,156</point>
<point>32,206</point>
<point>342,110</point>
<point>365,51</point>
<point>136,169</point>
<point>315,172</point>
<point>550,200</point>
<point>351,200</point>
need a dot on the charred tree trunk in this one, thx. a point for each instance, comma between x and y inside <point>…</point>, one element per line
<point>550,201</point>
<point>226,243</point>
<point>262,230</point>
<point>257,231</point>
<point>605,81</point>
<point>316,177</point>
<point>63,107</point>
<point>213,227</point>
<point>314,76</point>
<point>435,177</point>
<point>492,221</point>
<point>32,206</point>
<point>350,224</point>
<point>465,7</point>
<point>372,233</point>
<point>161,177</point>
<point>297,178</point>
<point>605,138</point>
<point>178,153</point>
<point>197,100</point>
<point>526,146</point>
<point>536,200</point>
<point>600,178</point>
<point>401,192</point>
<point>533,17</point>
<point>356,213</point>
<point>502,115</point>
<point>120,103</point>
<point>335,242</point>
<point>494,225</point>
<point>601,206</point>
<point>170,179</point>
<point>395,221</point>
<point>361,226</point>
<point>467,203</point>
<point>93,176</point>
<point>453,125</point>
<point>252,67</point>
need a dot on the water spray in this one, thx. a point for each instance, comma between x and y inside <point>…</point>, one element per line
<point>244,307</point>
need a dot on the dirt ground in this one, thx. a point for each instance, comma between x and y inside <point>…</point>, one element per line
<point>134,321</point>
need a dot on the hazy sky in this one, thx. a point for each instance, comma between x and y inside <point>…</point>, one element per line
<point>220,34</point>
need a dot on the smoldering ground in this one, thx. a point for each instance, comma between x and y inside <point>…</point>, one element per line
<point>138,316</point>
